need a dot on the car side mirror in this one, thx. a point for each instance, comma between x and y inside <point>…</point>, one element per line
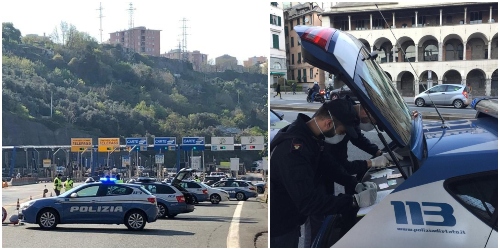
<point>74,195</point>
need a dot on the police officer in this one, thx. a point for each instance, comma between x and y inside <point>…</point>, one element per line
<point>58,184</point>
<point>68,184</point>
<point>299,160</point>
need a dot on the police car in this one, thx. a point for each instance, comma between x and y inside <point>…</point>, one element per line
<point>199,192</point>
<point>238,189</point>
<point>104,202</point>
<point>171,201</point>
<point>444,193</point>
<point>216,195</point>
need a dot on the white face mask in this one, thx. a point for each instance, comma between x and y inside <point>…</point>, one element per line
<point>335,139</point>
<point>366,127</point>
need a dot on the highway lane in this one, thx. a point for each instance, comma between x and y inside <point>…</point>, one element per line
<point>206,227</point>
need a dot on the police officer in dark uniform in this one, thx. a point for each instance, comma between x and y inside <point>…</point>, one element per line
<point>299,160</point>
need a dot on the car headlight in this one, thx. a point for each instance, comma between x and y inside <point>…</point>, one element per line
<point>26,205</point>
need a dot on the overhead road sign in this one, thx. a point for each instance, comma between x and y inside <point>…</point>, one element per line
<point>108,144</point>
<point>46,163</point>
<point>141,143</point>
<point>165,143</point>
<point>80,144</point>
<point>159,159</point>
<point>222,143</point>
<point>252,143</point>
<point>193,143</point>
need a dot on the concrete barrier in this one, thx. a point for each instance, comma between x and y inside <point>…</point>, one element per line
<point>24,181</point>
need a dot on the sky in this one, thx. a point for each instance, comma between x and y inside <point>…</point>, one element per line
<point>239,29</point>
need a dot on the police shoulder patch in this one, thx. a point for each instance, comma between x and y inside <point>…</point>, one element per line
<point>296,145</point>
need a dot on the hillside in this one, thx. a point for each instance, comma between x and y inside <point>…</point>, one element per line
<point>106,91</point>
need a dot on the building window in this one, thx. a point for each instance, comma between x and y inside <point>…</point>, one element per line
<point>276,41</point>
<point>293,75</point>
<point>360,24</point>
<point>460,52</point>
<point>410,53</point>
<point>431,53</point>
<point>275,20</point>
<point>277,65</point>
<point>476,17</point>
<point>293,59</point>
<point>286,31</point>
<point>299,58</point>
<point>343,25</point>
<point>299,75</point>
<point>449,19</point>
<point>298,21</point>
<point>292,41</point>
<point>311,74</point>
<point>305,75</point>
<point>378,23</point>
<point>291,25</point>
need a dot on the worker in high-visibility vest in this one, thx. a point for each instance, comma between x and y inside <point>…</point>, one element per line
<point>58,184</point>
<point>118,179</point>
<point>68,184</point>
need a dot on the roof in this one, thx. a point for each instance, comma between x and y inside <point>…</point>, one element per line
<point>301,9</point>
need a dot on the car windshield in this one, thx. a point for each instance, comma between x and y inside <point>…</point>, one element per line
<point>383,94</point>
<point>273,118</point>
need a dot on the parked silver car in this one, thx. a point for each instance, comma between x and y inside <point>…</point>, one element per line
<point>455,95</point>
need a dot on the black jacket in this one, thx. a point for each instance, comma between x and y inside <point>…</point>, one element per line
<point>278,88</point>
<point>315,88</point>
<point>299,163</point>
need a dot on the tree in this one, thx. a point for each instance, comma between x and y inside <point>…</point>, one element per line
<point>10,34</point>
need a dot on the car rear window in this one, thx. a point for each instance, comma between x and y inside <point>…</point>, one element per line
<point>192,185</point>
<point>453,88</point>
<point>478,193</point>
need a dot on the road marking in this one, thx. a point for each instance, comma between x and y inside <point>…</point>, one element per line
<point>233,236</point>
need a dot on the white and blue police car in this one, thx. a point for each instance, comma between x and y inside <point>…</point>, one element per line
<point>104,202</point>
<point>171,201</point>
<point>238,189</point>
<point>444,193</point>
<point>198,191</point>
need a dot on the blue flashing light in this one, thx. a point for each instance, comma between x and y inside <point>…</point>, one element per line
<point>107,179</point>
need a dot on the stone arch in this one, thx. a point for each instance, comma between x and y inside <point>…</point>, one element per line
<point>424,83</point>
<point>494,83</point>
<point>494,47</point>
<point>366,43</point>
<point>453,47</point>
<point>389,75</point>
<point>477,45</point>
<point>383,46</point>
<point>452,76</point>
<point>405,42</point>
<point>405,83</point>
<point>477,80</point>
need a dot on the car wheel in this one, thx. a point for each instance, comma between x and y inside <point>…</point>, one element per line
<point>458,104</point>
<point>195,199</point>
<point>240,196</point>
<point>171,216</point>
<point>420,102</point>
<point>135,220</point>
<point>162,210</point>
<point>215,198</point>
<point>334,96</point>
<point>48,219</point>
<point>260,190</point>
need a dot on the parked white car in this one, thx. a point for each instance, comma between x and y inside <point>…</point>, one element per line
<point>216,195</point>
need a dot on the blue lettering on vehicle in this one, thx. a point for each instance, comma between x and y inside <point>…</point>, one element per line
<point>99,209</point>
<point>417,215</point>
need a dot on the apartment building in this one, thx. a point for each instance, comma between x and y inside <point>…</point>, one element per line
<point>226,62</point>
<point>449,42</point>
<point>254,60</point>
<point>196,58</point>
<point>303,73</point>
<point>277,62</point>
<point>138,39</point>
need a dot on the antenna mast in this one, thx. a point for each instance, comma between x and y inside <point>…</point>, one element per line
<point>100,19</point>
<point>184,39</point>
<point>131,26</point>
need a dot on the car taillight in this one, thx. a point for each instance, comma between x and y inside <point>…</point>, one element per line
<point>465,94</point>
<point>152,200</point>
<point>319,36</point>
<point>205,191</point>
<point>180,198</point>
<point>251,188</point>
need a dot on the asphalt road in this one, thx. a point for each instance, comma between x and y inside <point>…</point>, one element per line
<point>207,227</point>
<point>299,101</point>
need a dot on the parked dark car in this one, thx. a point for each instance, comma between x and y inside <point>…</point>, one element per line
<point>342,92</point>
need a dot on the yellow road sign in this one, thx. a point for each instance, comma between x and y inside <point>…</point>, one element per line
<point>80,144</point>
<point>108,144</point>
